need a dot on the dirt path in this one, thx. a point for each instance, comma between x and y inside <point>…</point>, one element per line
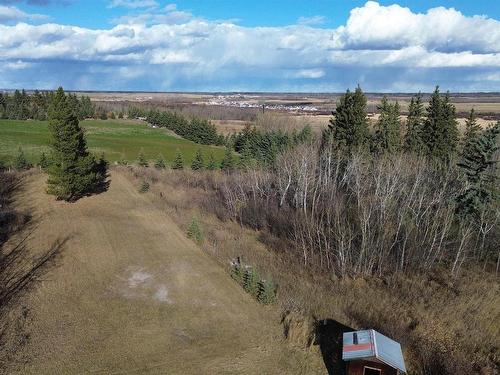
<point>131,294</point>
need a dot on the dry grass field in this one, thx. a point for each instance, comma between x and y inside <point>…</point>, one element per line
<point>440,321</point>
<point>130,294</point>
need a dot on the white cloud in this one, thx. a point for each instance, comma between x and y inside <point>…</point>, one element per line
<point>133,4</point>
<point>392,27</point>
<point>308,73</point>
<point>171,48</point>
<point>19,64</point>
<point>311,21</point>
<point>9,14</point>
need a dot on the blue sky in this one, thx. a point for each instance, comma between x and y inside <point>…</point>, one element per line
<point>274,45</point>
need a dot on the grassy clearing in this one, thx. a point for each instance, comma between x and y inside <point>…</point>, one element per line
<point>117,139</point>
<point>145,300</point>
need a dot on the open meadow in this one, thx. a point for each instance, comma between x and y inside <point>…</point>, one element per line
<point>116,139</point>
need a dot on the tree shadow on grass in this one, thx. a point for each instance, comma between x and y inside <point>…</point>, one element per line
<point>20,270</point>
<point>329,334</point>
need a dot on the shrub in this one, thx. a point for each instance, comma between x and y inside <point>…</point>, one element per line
<point>194,231</point>
<point>237,273</point>
<point>141,160</point>
<point>251,281</point>
<point>266,292</point>
<point>144,188</point>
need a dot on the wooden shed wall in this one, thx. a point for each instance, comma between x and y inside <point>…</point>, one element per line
<point>357,367</point>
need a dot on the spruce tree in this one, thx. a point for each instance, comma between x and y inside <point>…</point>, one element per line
<point>227,163</point>
<point>43,163</point>
<point>246,159</point>
<point>479,167</point>
<point>212,164</point>
<point>73,172</point>
<point>178,161</point>
<point>349,128</point>
<point>197,163</point>
<point>387,137</point>
<point>266,292</point>
<point>160,162</point>
<point>251,281</point>
<point>414,126</point>
<point>440,133</point>
<point>141,160</point>
<point>194,231</point>
<point>20,162</point>
<point>472,129</point>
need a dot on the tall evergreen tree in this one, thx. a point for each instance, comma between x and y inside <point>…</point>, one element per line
<point>246,159</point>
<point>387,137</point>
<point>414,126</point>
<point>178,161</point>
<point>349,128</point>
<point>479,168</point>
<point>73,172</point>
<point>440,133</point>
<point>197,162</point>
<point>472,129</point>
<point>227,163</point>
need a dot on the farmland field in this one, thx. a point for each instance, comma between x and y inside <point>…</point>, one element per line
<point>117,139</point>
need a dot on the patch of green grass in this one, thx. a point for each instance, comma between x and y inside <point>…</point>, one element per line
<point>117,139</point>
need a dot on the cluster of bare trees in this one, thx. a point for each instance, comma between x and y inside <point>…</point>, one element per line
<point>360,215</point>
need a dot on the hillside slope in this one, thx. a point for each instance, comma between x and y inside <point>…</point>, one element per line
<point>131,294</point>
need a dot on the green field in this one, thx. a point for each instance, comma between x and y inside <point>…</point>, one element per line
<point>117,139</point>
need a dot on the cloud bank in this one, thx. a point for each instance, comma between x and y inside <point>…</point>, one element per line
<point>384,48</point>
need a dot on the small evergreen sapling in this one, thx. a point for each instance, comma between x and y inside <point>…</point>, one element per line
<point>160,163</point>
<point>178,161</point>
<point>197,163</point>
<point>141,160</point>
<point>144,188</point>
<point>237,273</point>
<point>267,292</point>
<point>227,163</point>
<point>20,162</point>
<point>194,231</point>
<point>251,281</point>
<point>212,164</point>
<point>43,163</point>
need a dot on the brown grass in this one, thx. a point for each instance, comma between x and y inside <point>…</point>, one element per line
<point>132,294</point>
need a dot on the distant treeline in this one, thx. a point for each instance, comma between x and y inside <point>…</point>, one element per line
<point>21,106</point>
<point>195,129</point>
<point>256,146</point>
